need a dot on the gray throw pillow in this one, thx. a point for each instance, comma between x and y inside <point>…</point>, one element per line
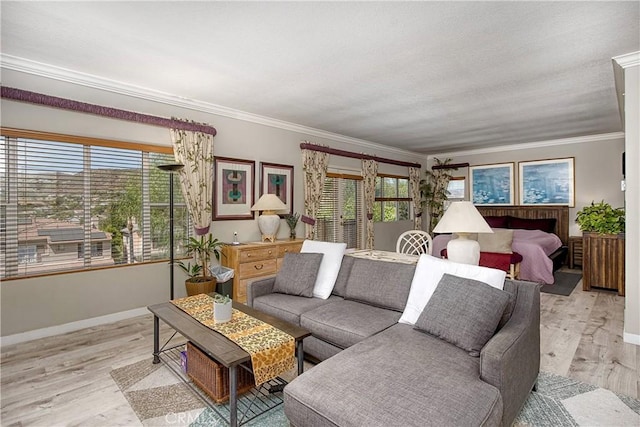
<point>298,274</point>
<point>464,312</point>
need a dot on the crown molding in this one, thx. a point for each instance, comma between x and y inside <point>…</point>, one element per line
<point>530,145</point>
<point>53,72</point>
<point>628,59</point>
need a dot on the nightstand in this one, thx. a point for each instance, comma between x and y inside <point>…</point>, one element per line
<point>575,251</point>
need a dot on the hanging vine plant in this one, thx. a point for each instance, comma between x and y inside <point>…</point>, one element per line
<point>434,191</point>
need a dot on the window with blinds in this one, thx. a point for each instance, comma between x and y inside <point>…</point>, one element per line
<point>392,199</point>
<point>78,205</point>
<point>340,216</point>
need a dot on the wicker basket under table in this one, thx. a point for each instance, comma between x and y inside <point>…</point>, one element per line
<point>213,378</point>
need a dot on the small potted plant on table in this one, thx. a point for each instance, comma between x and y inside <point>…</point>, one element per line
<point>222,308</point>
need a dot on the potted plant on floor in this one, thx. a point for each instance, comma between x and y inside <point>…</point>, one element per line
<point>602,246</point>
<point>434,189</point>
<point>200,279</point>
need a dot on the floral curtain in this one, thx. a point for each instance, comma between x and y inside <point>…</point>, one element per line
<point>314,171</point>
<point>369,173</point>
<point>195,151</point>
<point>416,199</point>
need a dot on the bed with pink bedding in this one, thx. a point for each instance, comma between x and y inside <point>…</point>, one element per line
<point>535,246</point>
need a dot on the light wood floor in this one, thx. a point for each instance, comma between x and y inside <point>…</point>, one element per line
<point>65,380</point>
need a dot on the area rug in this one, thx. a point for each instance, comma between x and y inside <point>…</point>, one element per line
<point>159,398</point>
<point>563,284</point>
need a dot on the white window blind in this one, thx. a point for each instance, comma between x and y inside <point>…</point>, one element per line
<point>340,216</point>
<point>71,206</point>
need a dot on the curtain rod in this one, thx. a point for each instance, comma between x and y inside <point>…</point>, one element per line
<point>114,113</point>
<point>343,153</point>
<point>452,166</point>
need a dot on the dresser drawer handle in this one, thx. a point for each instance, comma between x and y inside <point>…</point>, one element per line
<point>258,267</point>
<point>248,255</point>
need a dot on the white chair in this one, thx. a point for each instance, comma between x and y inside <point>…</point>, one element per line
<point>414,242</point>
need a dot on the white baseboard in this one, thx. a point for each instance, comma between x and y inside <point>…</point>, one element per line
<point>70,327</point>
<point>631,338</point>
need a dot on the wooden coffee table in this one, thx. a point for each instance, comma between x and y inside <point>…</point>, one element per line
<point>216,345</point>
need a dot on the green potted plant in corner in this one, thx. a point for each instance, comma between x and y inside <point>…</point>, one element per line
<point>434,191</point>
<point>200,279</point>
<point>601,218</point>
<point>602,246</point>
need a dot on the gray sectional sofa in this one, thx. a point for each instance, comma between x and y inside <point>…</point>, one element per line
<point>378,372</point>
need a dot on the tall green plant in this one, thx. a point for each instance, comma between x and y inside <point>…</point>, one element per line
<point>601,218</point>
<point>434,191</point>
<point>202,249</point>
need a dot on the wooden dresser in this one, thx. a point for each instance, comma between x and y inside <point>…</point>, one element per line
<point>255,260</point>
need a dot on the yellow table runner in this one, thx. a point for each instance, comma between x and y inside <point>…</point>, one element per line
<point>272,351</point>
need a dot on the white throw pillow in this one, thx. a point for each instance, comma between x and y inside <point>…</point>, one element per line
<point>428,273</point>
<point>329,267</point>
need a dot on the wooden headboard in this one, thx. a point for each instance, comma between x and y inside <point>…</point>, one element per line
<point>560,213</point>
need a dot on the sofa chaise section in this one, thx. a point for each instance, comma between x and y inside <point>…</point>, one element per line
<point>403,376</point>
<point>399,377</point>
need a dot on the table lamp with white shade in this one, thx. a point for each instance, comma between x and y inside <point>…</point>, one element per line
<point>463,218</point>
<point>269,221</point>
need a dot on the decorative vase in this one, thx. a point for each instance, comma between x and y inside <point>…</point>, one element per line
<point>292,234</point>
<point>222,312</point>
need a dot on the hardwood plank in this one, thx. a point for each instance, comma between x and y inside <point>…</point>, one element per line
<point>603,358</point>
<point>65,380</point>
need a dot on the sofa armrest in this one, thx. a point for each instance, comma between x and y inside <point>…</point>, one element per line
<point>510,361</point>
<point>259,288</point>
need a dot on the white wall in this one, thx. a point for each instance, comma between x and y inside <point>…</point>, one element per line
<point>598,167</point>
<point>598,175</point>
<point>632,241</point>
<point>28,304</point>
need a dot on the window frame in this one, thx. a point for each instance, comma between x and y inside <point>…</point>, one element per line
<point>86,142</point>
<point>382,200</point>
<point>360,221</point>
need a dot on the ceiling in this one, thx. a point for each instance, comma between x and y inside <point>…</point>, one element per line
<point>427,77</point>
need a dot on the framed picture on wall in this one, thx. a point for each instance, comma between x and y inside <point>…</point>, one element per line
<point>277,179</point>
<point>492,184</point>
<point>233,189</point>
<point>547,182</point>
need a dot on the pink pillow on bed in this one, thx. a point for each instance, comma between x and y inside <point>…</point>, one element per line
<point>545,224</point>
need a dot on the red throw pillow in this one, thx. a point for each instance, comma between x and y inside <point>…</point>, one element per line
<point>544,224</point>
<point>497,221</point>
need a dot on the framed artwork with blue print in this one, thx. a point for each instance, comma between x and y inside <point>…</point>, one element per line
<point>492,184</point>
<point>233,188</point>
<point>277,179</point>
<point>547,182</point>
